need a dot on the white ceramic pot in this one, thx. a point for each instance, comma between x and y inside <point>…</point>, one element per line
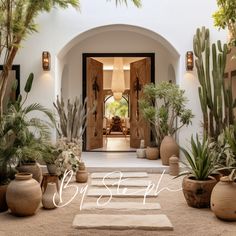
<point>50,197</point>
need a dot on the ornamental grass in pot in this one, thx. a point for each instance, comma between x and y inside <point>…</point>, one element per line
<point>198,183</point>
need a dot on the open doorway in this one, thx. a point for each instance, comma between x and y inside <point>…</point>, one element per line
<point>117,124</point>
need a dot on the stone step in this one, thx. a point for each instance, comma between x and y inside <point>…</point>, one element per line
<point>124,183</point>
<point>116,175</point>
<point>133,193</point>
<point>122,222</point>
<point>122,206</point>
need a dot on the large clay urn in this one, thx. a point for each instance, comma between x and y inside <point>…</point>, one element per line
<point>3,203</point>
<point>23,195</point>
<point>152,153</point>
<point>81,174</point>
<point>198,192</point>
<point>33,168</point>
<point>50,198</point>
<point>168,148</point>
<point>223,199</point>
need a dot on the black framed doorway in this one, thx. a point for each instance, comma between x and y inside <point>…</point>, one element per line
<point>95,55</point>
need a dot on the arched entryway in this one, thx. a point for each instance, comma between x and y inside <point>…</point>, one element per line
<point>114,39</point>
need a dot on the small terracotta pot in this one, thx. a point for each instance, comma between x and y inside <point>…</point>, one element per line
<point>152,153</point>
<point>223,199</point>
<point>81,174</point>
<point>198,192</point>
<point>48,197</point>
<point>32,168</point>
<point>23,195</point>
<point>168,148</point>
<point>3,202</point>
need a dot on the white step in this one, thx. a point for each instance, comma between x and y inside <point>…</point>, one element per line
<point>133,193</point>
<point>122,206</point>
<point>124,183</point>
<point>122,222</point>
<point>117,175</point>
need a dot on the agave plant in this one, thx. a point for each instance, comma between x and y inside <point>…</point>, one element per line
<point>201,161</point>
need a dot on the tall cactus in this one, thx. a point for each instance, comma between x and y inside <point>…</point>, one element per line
<point>215,97</point>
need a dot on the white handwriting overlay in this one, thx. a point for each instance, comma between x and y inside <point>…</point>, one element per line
<point>65,184</point>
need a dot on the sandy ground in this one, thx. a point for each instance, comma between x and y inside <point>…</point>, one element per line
<point>186,220</point>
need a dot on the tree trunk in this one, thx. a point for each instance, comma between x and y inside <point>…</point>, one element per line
<point>4,75</point>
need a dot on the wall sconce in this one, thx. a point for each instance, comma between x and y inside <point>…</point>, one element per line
<point>46,60</point>
<point>189,60</point>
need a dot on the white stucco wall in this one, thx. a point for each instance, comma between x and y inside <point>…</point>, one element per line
<point>173,22</point>
<point>117,42</point>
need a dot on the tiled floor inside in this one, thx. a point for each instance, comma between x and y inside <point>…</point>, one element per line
<point>117,142</point>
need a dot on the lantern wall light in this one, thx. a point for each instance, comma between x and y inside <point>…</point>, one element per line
<point>189,61</point>
<point>46,60</point>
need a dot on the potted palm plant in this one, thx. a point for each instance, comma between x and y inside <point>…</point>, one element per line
<point>6,170</point>
<point>201,163</point>
<point>28,135</point>
<point>162,105</point>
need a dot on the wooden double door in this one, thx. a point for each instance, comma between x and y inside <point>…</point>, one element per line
<point>140,74</point>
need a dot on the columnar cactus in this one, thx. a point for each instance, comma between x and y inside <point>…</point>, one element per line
<point>215,97</point>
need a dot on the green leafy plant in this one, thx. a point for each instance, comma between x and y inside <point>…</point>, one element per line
<point>201,162</point>
<point>225,17</point>
<point>26,135</point>
<point>162,105</point>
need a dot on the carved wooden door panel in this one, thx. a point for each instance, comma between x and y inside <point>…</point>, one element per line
<point>94,132</point>
<point>140,74</point>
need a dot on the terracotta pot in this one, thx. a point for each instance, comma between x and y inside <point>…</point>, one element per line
<point>81,174</point>
<point>49,199</point>
<point>152,153</point>
<point>217,176</point>
<point>223,199</point>
<point>3,203</point>
<point>52,169</point>
<point>23,195</point>
<point>141,153</point>
<point>168,148</point>
<point>32,168</point>
<point>198,192</point>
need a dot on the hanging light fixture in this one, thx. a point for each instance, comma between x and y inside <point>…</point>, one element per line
<point>118,78</point>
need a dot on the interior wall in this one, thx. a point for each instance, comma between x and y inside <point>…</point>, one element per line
<point>113,42</point>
